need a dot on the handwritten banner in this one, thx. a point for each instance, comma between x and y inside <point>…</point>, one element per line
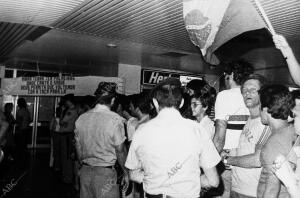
<point>56,86</point>
<point>41,85</point>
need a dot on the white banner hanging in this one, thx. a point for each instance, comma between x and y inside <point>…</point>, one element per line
<point>56,86</point>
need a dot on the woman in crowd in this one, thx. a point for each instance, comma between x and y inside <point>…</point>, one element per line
<point>201,105</point>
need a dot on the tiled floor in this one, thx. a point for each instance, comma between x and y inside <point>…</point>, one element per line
<point>32,178</point>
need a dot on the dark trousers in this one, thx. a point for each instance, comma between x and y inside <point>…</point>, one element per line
<point>57,151</point>
<point>66,149</point>
<point>21,143</point>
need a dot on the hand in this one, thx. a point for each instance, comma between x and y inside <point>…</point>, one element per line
<point>283,170</point>
<point>125,182</point>
<point>224,154</point>
<point>281,44</point>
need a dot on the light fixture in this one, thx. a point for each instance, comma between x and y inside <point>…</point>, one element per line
<point>111,45</point>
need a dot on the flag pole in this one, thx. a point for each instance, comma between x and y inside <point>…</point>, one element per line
<point>265,17</point>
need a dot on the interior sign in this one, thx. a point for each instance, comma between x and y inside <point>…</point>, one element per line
<point>153,77</point>
<point>41,85</point>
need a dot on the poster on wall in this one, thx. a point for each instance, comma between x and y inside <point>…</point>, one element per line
<point>56,86</point>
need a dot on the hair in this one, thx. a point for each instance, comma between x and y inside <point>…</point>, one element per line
<point>278,100</point>
<point>168,95</point>
<point>240,69</point>
<point>206,99</point>
<point>296,94</point>
<point>262,80</point>
<point>106,99</point>
<point>69,97</point>
<point>88,101</point>
<point>141,101</point>
<point>196,84</point>
<point>8,107</point>
<point>22,103</point>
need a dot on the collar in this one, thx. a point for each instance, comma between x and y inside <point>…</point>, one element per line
<point>236,88</point>
<point>100,107</point>
<point>169,113</point>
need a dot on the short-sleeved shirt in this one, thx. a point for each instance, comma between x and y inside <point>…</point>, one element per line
<point>97,133</point>
<point>209,125</point>
<point>230,106</point>
<point>279,143</point>
<point>170,150</point>
<point>245,180</point>
<point>133,123</point>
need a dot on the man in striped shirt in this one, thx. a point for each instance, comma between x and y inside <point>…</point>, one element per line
<point>246,166</point>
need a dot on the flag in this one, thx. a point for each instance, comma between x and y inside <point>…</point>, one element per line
<point>237,17</point>
<point>202,20</point>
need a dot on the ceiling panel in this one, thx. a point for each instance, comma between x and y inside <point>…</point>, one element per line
<point>12,35</point>
<point>158,22</point>
<point>284,15</point>
<point>35,12</point>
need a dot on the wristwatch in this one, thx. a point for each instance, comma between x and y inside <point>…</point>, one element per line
<point>225,161</point>
<point>227,166</point>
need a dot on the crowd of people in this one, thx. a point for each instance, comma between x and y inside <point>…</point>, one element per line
<point>179,142</point>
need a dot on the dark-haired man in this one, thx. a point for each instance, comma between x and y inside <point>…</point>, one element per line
<point>100,137</point>
<point>276,105</point>
<point>167,152</point>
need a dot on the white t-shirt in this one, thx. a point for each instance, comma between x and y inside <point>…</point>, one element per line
<point>209,125</point>
<point>170,150</point>
<point>230,106</point>
<point>245,180</point>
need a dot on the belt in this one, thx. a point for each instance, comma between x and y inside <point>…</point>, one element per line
<point>235,126</point>
<point>110,167</point>
<point>157,196</point>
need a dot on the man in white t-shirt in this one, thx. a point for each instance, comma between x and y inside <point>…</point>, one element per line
<point>246,164</point>
<point>167,152</point>
<point>231,113</point>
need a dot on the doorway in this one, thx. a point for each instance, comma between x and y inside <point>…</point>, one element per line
<point>42,110</point>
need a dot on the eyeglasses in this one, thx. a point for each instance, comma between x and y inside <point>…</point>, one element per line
<point>251,91</point>
<point>195,104</point>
